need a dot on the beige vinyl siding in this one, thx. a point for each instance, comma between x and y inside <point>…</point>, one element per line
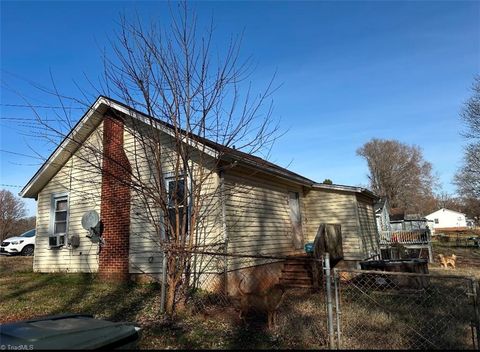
<point>368,226</point>
<point>145,255</point>
<point>146,218</point>
<point>81,179</point>
<point>209,233</point>
<point>257,216</point>
<point>335,207</point>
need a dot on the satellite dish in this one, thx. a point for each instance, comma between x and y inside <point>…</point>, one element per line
<point>90,220</point>
<point>91,223</point>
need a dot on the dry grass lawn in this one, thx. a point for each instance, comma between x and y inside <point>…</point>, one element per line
<point>25,295</point>
<point>302,322</point>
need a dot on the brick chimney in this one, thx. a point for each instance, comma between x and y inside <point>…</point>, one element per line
<point>115,202</point>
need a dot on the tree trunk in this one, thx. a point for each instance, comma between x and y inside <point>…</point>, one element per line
<point>170,301</point>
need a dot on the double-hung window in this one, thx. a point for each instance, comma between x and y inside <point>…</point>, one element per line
<point>59,221</point>
<point>177,200</point>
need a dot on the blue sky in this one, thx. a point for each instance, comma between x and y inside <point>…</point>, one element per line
<point>349,71</point>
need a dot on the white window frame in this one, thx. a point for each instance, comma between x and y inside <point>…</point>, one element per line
<point>61,238</point>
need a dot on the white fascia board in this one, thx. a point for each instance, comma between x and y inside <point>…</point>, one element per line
<point>341,188</point>
<point>62,147</point>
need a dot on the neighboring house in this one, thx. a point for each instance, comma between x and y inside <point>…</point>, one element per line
<point>446,218</point>
<point>382,215</point>
<point>267,209</point>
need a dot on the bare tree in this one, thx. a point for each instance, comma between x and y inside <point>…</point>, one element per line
<point>11,210</point>
<point>205,100</point>
<point>399,172</point>
<point>446,200</point>
<point>467,178</point>
<point>471,112</point>
<point>450,201</point>
<point>471,207</point>
<point>23,225</point>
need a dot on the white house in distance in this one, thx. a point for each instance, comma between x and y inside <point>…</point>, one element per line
<point>446,218</point>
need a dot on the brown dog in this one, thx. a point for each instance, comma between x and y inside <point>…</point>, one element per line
<point>266,301</point>
<point>445,261</point>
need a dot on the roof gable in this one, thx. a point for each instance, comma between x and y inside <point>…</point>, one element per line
<point>442,210</point>
<point>70,144</point>
<point>94,116</point>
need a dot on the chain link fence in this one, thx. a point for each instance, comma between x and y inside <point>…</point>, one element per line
<point>394,310</point>
<point>255,301</point>
<point>269,302</point>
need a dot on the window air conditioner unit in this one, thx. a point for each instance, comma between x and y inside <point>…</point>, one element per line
<point>56,241</point>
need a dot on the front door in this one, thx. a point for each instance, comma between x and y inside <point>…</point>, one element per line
<point>296,219</point>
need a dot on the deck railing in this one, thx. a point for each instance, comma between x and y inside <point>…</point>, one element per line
<point>405,237</point>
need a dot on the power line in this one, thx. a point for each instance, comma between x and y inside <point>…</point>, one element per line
<point>16,186</point>
<point>40,106</point>
<point>14,153</point>
<point>27,119</point>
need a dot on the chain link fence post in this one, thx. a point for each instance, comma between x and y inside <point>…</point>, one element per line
<point>331,333</point>
<point>163,291</point>
<point>476,322</point>
<point>337,307</point>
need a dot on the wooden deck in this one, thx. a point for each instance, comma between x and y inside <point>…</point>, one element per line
<point>404,237</point>
<point>414,239</point>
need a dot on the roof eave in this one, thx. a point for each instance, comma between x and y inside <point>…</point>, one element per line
<point>303,181</point>
<point>66,146</point>
<point>350,189</point>
<point>65,149</point>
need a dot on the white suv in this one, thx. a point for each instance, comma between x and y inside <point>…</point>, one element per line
<point>23,244</point>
